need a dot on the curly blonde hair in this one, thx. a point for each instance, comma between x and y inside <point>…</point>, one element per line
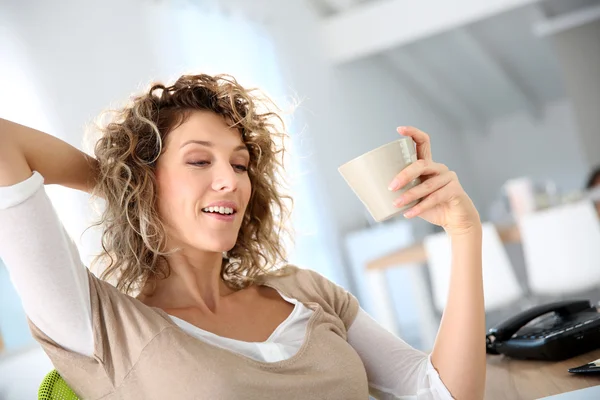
<point>134,237</point>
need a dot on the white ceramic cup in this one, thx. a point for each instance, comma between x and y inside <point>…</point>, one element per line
<point>370,174</point>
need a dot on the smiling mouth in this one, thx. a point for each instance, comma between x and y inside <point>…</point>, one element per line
<point>219,210</point>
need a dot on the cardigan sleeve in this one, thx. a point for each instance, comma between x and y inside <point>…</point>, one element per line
<point>395,370</point>
<point>44,265</point>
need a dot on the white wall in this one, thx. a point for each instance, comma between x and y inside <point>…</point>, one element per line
<point>578,52</point>
<point>79,68</point>
<point>376,26</point>
<point>349,110</point>
<point>518,145</point>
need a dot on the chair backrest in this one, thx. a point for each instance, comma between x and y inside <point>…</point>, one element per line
<point>562,249</point>
<point>53,387</point>
<point>500,283</point>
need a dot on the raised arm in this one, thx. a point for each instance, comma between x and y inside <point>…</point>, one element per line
<point>459,350</point>
<point>23,150</point>
<point>43,262</point>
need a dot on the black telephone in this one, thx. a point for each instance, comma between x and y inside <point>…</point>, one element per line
<point>554,331</point>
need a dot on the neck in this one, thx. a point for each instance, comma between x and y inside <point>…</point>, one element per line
<point>195,281</point>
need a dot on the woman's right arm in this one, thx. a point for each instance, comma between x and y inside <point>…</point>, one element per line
<point>43,262</point>
<point>23,150</point>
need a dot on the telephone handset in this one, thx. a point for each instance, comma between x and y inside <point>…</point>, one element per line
<point>554,331</point>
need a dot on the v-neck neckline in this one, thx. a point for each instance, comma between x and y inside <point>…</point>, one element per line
<point>317,311</point>
<point>270,339</point>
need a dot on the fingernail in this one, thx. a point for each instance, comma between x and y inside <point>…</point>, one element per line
<point>409,214</point>
<point>399,201</point>
<point>394,185</point>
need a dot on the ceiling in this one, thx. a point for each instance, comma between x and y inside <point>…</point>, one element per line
<point>480,71</point>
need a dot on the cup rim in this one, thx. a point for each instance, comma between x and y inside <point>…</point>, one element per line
<point>373,151</point>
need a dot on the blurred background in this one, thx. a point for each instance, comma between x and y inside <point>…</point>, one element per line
<point>509,91</point>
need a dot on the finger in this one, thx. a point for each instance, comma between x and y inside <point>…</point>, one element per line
<point>442,195</point>
<point>424,189</point>
<point>434,199</point>
<point>415,170</point>
<point>421,139</point>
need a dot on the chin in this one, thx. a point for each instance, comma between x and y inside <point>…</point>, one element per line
<point>217,245</point>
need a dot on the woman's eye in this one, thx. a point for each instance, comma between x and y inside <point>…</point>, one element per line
<point>199,163</point>
<point>241,167</point>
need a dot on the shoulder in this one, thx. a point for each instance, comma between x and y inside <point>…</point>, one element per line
<point>107,299</point>
<point>292,277</point>
<point>309,286</point>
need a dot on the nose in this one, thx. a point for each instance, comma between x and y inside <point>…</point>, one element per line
<point>224,178</point>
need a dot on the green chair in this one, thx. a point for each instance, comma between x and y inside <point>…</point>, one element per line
<point>53,387</point>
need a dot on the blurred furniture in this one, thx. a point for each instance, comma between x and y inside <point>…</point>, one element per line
<point>53,387</point>
<point>509,379</point>
<point>415,253</point>
<point>500,283</point>
<point>398,299</point>
<point>561,246</point>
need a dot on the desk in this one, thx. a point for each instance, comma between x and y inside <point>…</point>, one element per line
<point>509,379</point>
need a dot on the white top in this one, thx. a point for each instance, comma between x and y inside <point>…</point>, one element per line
<point>46,270</point>
<point>283,343</point>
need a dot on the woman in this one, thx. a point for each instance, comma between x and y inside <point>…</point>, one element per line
<point>192,224</point>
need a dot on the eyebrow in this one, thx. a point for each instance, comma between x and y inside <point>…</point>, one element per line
<point>210,144</point>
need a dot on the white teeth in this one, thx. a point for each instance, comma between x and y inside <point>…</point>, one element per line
<point>220,210</point>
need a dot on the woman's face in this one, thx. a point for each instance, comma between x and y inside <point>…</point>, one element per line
<point>203,183</point>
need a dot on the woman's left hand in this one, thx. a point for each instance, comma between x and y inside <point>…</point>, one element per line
<point>443,200</point>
